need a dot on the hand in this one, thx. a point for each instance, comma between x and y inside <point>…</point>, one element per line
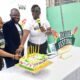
<point>42,29</point>
<point>17,56</point>
<point>19,50</point>
<point>48,31</point>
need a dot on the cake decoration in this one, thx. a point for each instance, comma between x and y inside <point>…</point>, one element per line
<point>33,61</point>
<point>64,40</point>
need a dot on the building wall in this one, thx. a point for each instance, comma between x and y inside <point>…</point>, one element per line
<point>24,7</point>
<point>71,19</point>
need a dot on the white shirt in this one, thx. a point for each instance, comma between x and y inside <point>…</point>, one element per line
<point>19,30</point>
<point>36,36</point>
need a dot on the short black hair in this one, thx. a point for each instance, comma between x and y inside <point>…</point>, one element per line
<point>35,7</point>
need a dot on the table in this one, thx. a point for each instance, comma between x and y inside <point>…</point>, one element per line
<point>67,69</point>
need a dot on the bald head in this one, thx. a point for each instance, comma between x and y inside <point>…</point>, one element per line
<point>15,15</point>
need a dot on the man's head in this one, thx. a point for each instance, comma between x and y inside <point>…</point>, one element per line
<point>15,15</point>
<point>35,11</point>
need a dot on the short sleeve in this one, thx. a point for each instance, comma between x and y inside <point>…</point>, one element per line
<point>27,26</point>
<point>46,24</point>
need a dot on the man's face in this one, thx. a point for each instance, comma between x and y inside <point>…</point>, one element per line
<point>15,15</point>
<point>36,13</point>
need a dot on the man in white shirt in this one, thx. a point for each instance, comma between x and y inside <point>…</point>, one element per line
<point>38,29</point>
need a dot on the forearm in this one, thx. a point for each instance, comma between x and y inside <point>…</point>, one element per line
<point>6,54</point>
<point>25,35</point>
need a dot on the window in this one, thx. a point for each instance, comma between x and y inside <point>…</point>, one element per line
<point>50,3</point>
<point>58,2</point>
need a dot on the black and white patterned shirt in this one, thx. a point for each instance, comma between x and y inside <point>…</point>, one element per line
<point>2,46</point>
<point>2,41</point>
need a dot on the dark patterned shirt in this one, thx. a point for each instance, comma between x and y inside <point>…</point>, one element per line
<point>2,45</point>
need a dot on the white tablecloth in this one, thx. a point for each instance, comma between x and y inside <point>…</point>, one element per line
<point>61,69</point>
